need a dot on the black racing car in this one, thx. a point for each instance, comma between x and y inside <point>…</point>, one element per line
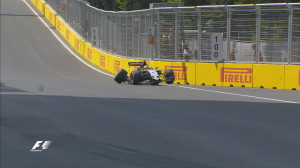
<point>144,74</point>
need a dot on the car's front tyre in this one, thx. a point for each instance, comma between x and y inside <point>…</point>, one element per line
<point>121,76</point>
<point>169,76</point>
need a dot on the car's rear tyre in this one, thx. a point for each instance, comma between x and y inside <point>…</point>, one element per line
<point>169,76</point>
<point>136,77</point>
<point>121,76</point>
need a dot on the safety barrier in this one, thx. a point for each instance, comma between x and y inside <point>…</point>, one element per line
<point>194,73</point>
<point>40,5</point>
<point>50,15</point>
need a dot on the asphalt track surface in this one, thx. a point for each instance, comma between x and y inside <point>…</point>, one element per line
<point>48,95</point>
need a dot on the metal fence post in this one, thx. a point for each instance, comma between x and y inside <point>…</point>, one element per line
<point>228,33</point>
<point>152,34</point>
<point>107,32</point>
<point>98,25</point>
<point>176,34</point>
<point>145,28</point>
<point>199,35</point>
<point>126,37</point>
<point>258,16</point>
<point>139,38</point>
<point>86,16</point>
<point>290,34</point>
<point>133,39</point>
<point>158,34</point>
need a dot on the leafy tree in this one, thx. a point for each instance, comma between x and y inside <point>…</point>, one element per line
<point>104,4</point>
<point>123,4</point>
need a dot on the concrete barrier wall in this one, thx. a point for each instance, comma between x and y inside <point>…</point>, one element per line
<point>209,74</point>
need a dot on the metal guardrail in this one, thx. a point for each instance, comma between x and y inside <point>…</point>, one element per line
<point>233,33</point>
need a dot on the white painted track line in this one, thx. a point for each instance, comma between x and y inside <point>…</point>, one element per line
<point>242,95</point>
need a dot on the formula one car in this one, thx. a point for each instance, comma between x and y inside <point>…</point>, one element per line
<point>145,75</point>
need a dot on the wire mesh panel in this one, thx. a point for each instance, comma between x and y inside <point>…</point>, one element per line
<point>187,43</point>
<point>146,29</point>
<point>274,34</point>
<point>101,31</point>
<point>123,35</point>
<point>295,45</point>
<point>120,36</point>
<point>79,16</point>
<point>135,35</point>
<point>87,24</point>
<point>91,22</point>
<point>213,20</point>
<point>242,34</point>
<point>142,34</point>
<point>167,32</point>
<point>110,33</point>
<point>113,30</point>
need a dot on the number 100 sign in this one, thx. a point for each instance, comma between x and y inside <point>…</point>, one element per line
<point>217,46</point>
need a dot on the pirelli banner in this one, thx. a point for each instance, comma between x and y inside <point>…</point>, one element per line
<point>240,75</point>
<point>248,75</point>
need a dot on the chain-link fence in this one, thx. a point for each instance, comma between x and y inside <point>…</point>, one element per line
<point>264,33</point>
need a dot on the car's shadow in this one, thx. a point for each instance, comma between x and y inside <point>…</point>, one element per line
<point>5,88</point>
<point>148,84</point>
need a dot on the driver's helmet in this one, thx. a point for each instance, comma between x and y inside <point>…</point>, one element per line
<point>144,65</point>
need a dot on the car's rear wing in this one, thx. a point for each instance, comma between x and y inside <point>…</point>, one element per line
<point>137,63</point>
